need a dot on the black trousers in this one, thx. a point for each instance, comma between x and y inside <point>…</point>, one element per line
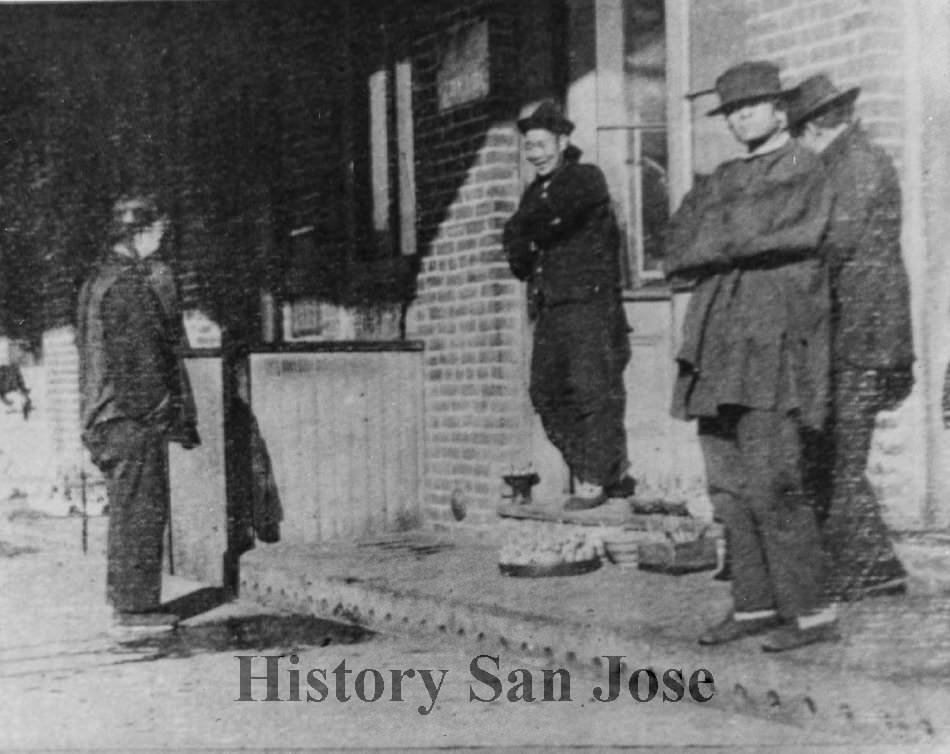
<point>754,473</point>
<point>855,533</point>
<point>580,352</point>
<point>133,458</point>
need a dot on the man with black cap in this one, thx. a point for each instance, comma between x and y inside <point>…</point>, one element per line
<point>872,340</point>
<point>133,400</point>
<point>754,362</point>
<point>564,241</point>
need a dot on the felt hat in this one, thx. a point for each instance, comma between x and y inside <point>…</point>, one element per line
<point>547,116</point>
<point>816,94</point>
<point>746,82</point>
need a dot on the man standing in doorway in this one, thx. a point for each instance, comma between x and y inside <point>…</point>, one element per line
<point>564,241</point>
<point>754,358</point>
<point>132,401</point>
<point>872,341</point>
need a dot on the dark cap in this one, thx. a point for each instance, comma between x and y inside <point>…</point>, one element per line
<point>547,116</point>
<point>746,82</point>
<point>815,95</point>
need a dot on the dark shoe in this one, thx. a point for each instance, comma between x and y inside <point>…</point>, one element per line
<point>792,637</point>
<point>152,620</point>
<point>575,503</point>
<point>731,629</point>
<point>625,487</point>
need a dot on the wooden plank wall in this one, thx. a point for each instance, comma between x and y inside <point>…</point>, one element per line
<point>344,432</point>
<point>197,482</point>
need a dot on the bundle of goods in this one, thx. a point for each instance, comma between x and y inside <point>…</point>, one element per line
<point>549,551</point>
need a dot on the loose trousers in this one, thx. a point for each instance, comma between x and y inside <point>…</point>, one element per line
<point>133,458</point>
<point>580,352</point>
<point>855,534</point>
<point>754,473</point>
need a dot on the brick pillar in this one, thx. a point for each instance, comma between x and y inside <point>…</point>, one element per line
<point>469,311</point>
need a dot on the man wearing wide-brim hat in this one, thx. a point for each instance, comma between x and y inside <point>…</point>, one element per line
<point>564,241</point>
<point>753,365</point>
<point>872,340</point>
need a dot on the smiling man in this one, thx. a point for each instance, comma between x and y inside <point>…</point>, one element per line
<point>564,241</point>
<point>754,357</point>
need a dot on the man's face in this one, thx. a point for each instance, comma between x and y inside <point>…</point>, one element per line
<point>144,226</point>
<point>755,121</point>
<point>543,149</point>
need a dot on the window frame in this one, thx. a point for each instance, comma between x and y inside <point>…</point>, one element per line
<point>613,131</point>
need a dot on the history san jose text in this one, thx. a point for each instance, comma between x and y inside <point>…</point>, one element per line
<point>280,678</point>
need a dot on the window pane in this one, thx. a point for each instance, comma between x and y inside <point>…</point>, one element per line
<point>645,62</point>
<point>645,86</point>
<point>654,197</point>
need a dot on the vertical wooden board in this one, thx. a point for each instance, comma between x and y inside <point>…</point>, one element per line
<point>303,398</point>
<point>414,388</point>
<point>197,482</point>
<point>386,402</point>
<point>400,403</point>
<point>340,426</point>
<point>320,456</point>
<point>376,383</point>
<point>354,504</point>
<point>404,446</point>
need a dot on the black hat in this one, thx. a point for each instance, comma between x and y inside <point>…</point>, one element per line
<point>816,94</point>
<point>746,82</point>
<point>547,116</point>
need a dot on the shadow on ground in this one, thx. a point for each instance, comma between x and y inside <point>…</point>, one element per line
<point>248,632</point>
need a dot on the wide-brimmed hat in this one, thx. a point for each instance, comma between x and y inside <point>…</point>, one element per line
<point>547,116</point>
<point>816,94</point>
<point>746,82</point>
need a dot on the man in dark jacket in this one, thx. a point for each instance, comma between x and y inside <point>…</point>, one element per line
<point>132,401</point>
<point>564,241</point>
<point>753,361</point>
<point>872,341</point>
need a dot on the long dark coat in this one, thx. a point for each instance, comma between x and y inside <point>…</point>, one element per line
<point>872,324</point>
<point>756,329</point>
<point>564,241</point>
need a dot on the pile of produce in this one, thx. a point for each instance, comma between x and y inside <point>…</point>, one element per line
<point>550,546</point>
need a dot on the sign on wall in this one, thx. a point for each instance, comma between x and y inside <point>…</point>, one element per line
<point>464,71</point>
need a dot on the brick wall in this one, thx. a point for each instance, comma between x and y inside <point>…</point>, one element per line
<point>862,43</point>
<point>856,42</point>
<point>469,310</point>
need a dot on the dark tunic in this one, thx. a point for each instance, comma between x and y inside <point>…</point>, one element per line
<point>754,363</point>
<point>755,332</point>
<point>872,348</point>
<point>129,373</point>
<point>564,241</point>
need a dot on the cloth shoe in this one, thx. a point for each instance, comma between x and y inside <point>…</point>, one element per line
<point>625,487</point>
<point>732,629</point>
